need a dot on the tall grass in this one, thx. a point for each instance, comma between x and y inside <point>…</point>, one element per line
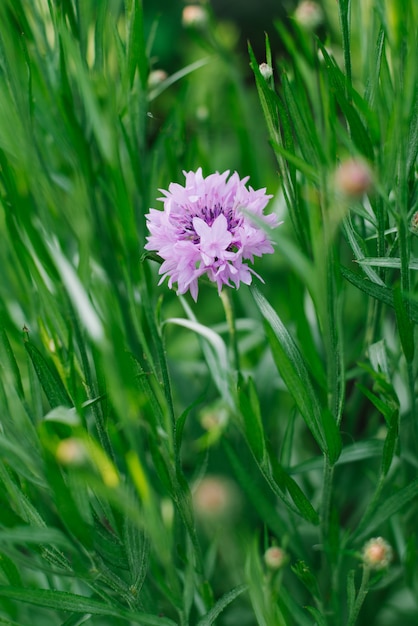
<point>153,450</point>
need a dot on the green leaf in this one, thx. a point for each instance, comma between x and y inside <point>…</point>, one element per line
<point>304,573</point>
<point>390,442</point>
<point>301,165</point>
<point>165,84</point>
<point>287,601</point>
<point>383,407</point>
<point>405,326</point>
<point>76,620</point>
<point>351,591</point>
<point>63,498</point>
<point>303,124</point>
<point>215,352</point>
<point>8,361</point>
<point>391,262</point>
<point>63,601</point>
<point>10,570</point>
<point>286,482</point>
<point>136,42</point>
<point>345,96</point>
<point>350,454</point>
<point>388,508</point>
<point>250,483</point>
<point>293,370</point>
<point>379,292</point>
<point>317,615</point>
<point>332,436</point>
<point>250,411</point>
<point>268,99</point>
<point>48,377</point>
<point>32,534</point>
<point>221,604</point>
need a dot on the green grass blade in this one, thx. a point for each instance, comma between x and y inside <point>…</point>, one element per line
<point>63,601</point>
<point>293,370</point>
<point>48,377</point>
<point>391,505</point>
<point>221,605</point>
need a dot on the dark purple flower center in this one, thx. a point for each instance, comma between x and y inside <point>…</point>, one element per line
<point>209,214</point>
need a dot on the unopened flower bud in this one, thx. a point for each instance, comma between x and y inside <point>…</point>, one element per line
<point>215,498</point>
<point>156,77</point>
<point>194,16</point>
<point>309,15</point>
<point>377,553</point>
<point>353,178</point>
<point>413,226</point>
<point>266,70</point>
<point>275,557</point>
<point>71,451</point>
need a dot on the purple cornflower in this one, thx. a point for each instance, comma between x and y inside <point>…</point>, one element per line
<point>206,228</point>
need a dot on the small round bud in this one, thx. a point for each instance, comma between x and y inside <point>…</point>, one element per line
<point>309,15</point>
<point>266,70</point>
<point>413,226</point>
<point>194,16</point>
<point>215,498</point>
<point>377,553</point>
<point>353,178</point>
<point>275,557</point>
<point>156,77</point>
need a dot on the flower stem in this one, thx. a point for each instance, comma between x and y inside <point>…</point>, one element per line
<point>361,596</point>
<point>326,498</point>
<point>230,318</point>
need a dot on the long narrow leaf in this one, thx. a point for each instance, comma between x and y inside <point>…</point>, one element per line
<point>63,601</point>
<point>221,605</point>
<point>293,370</point>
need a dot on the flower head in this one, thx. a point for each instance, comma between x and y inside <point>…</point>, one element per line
<point>275,557</point>
<point>353,178</point>
<point>266,70</point>
<point>413,225</point>
<point>216,498</point>
<point>207,228</point>
<point>309,15</point>
<point>377,553</point>
<point>194,16</point>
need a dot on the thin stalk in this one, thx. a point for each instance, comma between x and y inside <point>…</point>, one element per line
<point>344,8</point>
<point>230,318</point>
<point>327,567</point>
<point>413,401</point>
<point>361,596</point>
<point>328,476</point>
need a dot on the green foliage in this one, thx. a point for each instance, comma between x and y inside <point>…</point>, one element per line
<point>151,452</point>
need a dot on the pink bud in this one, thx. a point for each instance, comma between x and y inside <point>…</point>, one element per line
<point>353,178</point>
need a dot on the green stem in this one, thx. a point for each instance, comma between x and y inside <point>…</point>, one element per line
<point>326,498</point>
<point>413,400</point>
<point>327,559</point>
<point>344,11</point>
<point>230,318</point>
<point>361,596</point>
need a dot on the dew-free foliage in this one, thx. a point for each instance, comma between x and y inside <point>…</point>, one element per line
<point>161,438</point>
